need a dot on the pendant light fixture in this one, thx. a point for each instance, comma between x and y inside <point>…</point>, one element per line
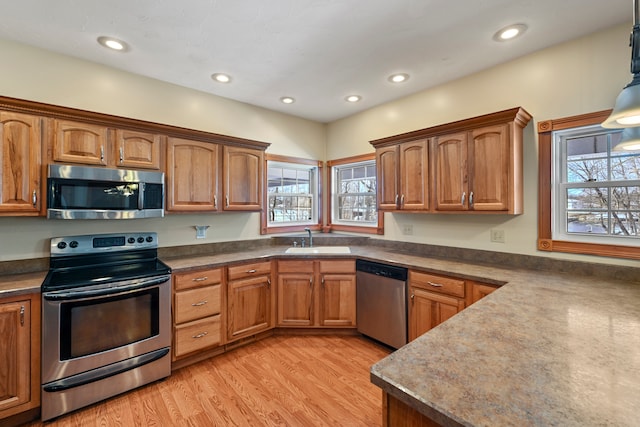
<point>630,140</point>
<point>626,112</point>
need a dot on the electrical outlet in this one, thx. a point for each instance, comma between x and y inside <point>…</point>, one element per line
<point>201,231</point>
<point>497,236</point>
<point>407,229</point>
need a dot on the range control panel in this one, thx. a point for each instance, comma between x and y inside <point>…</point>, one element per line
<point>101,243</point>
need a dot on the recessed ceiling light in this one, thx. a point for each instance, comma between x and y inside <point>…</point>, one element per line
<point>510,32</point>
<point>398,78</point>
<point>353,98</point>
<point>113,44</point>
<point>287,100</point>
<point>221,77</point>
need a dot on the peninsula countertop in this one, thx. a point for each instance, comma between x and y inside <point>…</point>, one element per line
<point>545,349</point>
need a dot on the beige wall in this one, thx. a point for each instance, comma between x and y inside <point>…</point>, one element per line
<point>581,76</point>
<point>37,75</point>
<point>578,77</point>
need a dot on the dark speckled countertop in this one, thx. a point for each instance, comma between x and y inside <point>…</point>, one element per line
<point>546,349</point>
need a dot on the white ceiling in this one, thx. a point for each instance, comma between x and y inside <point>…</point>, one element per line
<point>317,51</point>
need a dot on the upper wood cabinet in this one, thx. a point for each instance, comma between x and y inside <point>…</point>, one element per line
<point>20,163</point>
<point>192,176</point>
<point>242,178</point>
<point>76,142</point>
<point>135,149</point>
<point>474,171</point>
<point>475,166</point>
<point>403,172</point>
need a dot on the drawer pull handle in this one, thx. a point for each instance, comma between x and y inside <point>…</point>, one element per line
<point>253,270</point>
<point>34,198</point>
<point>198,304</point>
<point>435,285</point>
<point>200,279</point>
<point>200,335</point>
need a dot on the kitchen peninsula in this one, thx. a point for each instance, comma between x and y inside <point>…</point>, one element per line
<point>547,348</point>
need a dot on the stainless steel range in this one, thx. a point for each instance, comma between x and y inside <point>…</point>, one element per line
<point>106,319</point>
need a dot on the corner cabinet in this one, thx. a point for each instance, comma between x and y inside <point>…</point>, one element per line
<point>316,293</point>
<point>19,354</point>
<point>475,166</point>
<point>403,172</point>
<point>20,164</point>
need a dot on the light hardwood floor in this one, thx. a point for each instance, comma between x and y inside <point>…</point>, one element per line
<point>282,380</point>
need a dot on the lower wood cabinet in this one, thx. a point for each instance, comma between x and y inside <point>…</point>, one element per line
<point>19,354</point>
<point>436,298</point>
<point>316,293</point>
<point>249,300</point>
<point>197,311</point>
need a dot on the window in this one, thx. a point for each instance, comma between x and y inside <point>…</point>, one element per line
<point>589,193</point>
<point>353,195</point>
<point>292,194</point>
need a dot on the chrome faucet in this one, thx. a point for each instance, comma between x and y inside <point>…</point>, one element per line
<point>308,230</point>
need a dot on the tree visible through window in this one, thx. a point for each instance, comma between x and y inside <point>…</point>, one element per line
<point>292,194</point>
<point>355,194</point>
<point>598,188</point>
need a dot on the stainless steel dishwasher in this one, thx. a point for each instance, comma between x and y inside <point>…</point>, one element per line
<point>381,302</point>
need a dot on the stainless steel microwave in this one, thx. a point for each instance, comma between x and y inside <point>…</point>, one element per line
<point>80,192</point>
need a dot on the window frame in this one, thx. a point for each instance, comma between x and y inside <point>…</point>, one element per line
<point>545,194</point>
<point>264,220</point>
<point>331,200</point>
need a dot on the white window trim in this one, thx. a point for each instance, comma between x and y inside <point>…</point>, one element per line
<point>335,206</point>
<point>559,187</point>
<point>313,190</point>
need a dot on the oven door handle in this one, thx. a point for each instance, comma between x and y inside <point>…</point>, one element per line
<point>78,294</point>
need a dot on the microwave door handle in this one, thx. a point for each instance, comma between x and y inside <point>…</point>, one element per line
<point>141,196</point>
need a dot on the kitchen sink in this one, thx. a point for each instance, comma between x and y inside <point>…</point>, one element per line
<point>320,250</point>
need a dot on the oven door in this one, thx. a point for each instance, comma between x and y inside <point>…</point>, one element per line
<point>92,327</point>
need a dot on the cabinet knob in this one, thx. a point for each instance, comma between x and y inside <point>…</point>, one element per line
<point>310,282</point>
<point>322,281</point>
<point>412,297</point>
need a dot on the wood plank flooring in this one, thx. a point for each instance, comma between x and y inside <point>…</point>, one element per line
<point>282,380</point>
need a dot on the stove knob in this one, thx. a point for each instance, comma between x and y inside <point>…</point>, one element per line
<point>131,240</point>
<point>140,239</point>
<point>62,245</point>
<point>149,239</point>
<point>73,244</point>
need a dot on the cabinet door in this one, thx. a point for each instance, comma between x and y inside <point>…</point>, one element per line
<point>427,310</point>
<point>338,300</point>
<point>80,143</point>
<point>192,176</point>
<point>387,177</point>
<point>243,170</point>
<point>137,149</point>
<point>414,175</point>
<point>15,355</point>
<point>481,290</point>
<point>295,299</point>
<point>451,172</point>
<point>489,164</point>
<point>20,163</point>
<point>249,306</point>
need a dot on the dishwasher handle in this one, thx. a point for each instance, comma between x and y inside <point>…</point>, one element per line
<point>382,270</point>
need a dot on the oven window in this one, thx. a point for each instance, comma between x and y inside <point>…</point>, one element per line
<point>105,323</point>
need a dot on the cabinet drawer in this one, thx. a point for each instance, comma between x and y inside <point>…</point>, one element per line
<point>248,270</point>
<point>337,266</point>
<point>197,335</point>
<point>441,284</point>
<point>197,303</point>
<point>298,266</point>
<point>194,279</point>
